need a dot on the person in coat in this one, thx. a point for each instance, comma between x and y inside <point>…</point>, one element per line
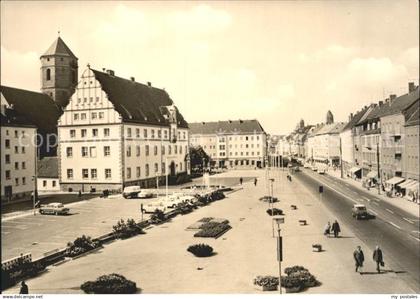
<point>327,229</point>
<point>359,258</point>
<point>378,258</point>
<point>255,182</point>
<point>23,288</point>
<point>336,228</point>
<point>240,181</point>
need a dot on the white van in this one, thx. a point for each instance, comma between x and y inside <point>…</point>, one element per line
<point>131,191</point>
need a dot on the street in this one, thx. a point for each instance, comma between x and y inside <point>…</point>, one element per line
<point>395,230</point>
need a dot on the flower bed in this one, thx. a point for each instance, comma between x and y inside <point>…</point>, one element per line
<point>274,212</point>
<point>110,284</point>
<point>269,199</point>
<point>201,250</point>
<point>267,283</point>
<point>127,229</point>
<point>212,230</point>
<point>81,245</point>
<point>297,279</point>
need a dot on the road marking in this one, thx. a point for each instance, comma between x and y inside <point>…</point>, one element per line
<point>389,211</point>
<point>393,224</point>
<point>373,212</point>
<point>375,203</point>
<point>408,220</point>
<point>365,198</point>
<point>415,238</point>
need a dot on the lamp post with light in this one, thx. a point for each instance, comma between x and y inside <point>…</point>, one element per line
<point>279,220</point>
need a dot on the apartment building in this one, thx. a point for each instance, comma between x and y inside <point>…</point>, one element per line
<point>233,144</point>
<point>116,132</point>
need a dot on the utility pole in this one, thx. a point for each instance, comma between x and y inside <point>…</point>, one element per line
<point>379,174</point>
<point>35,195</point>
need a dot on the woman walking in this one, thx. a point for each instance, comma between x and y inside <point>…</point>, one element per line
<point>359,258</point>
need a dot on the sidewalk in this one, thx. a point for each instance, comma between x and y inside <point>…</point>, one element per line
<point>399,202</point>
<point>159,263</point>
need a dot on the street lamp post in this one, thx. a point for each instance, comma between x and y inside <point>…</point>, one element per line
<point>272,202</point>
<point>279,220</point>
<point>377,166</point>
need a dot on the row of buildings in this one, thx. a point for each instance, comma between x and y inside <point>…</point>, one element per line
<point>379,144</point>
<point>103,132</point>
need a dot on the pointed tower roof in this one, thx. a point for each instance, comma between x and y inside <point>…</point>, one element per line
<point>58,47</point>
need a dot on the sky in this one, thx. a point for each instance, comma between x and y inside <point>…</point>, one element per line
<point>275,61</point>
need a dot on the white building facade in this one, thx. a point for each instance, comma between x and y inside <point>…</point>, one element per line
<point>116,132</point>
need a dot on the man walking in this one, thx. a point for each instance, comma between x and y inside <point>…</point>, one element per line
<point>24,288</point>
<point>335,228</point>
<point>359,258</point>
<point>240,181</point>
<point>255,182</point>
<point>378,258</point>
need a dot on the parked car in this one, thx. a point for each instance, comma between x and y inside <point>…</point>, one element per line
<point>131,191</point>
<point>314,168</point>
<point>54,208</point>
<point>321,171</point>
<point>153,206</point>
<point>359,211</point>
<point>307,165</point>
<point>145,193</point>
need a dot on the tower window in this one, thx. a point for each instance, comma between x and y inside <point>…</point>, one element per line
<point>48,74</point>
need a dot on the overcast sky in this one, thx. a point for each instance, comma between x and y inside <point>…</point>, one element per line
<point>275,61</point>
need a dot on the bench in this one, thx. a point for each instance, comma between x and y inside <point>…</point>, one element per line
<point>302,222</point>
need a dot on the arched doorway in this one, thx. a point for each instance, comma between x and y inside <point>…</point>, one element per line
<point>172,167</point>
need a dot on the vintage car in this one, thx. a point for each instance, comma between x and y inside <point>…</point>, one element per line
<point>359,211</point>
<point>54,208</point>
<point>131,191</point>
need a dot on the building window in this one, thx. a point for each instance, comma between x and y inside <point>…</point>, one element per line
<point>84,151</point>
<point>95,132</point>
<point>16,150</point>
<point>147,169</point>
<point>107,151</point>
<point>85,173</point>
<point>128,151</point>
<point>48,74</point>
<point>155,150</point>
<point>54,183</point>
<point>101,115</point>
<point>94,115</point>
<point>23,149</point>
<point>23,165</point>
<point>128,132</point>
<point>83,116</point>
<point>69,152</point>
<point>106,132</point>
<point>145,133</point>
<point>169,150</point>
<point>84,132</point>
<point>165,134</point>
<point>44,183</point>
<point>76,116</point>
<point>138,133</point>
<point>159,133</point>
<point>72,133</point>
<point>23,181</point>
<point>163,168</point>
<point>92,151</point>
<point>7,143</point>
<point>137,150</point>
<point>16,165</point>
<point>94,173</point>
<point>138,171</point>
<point>70,174</point>
<point>163,149</point>
<point>147,150</point>
<point>107,173</point>
<point>17,181</point>
<point>7,159</point>
<point>180,166</point>
<point>128,173</point>
<point>175,150</point>
<point>152,134</point>
<point>7,174</point>
<point>156,168</point>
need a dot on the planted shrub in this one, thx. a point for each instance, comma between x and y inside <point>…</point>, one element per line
<point>110,284</point>
<point>126,229</point>
<point>212,230</point>
<point>81,245</point>
<point>201,250</point>
<point>157,217</point>
<point>267,282</point>
<point>298,277</point>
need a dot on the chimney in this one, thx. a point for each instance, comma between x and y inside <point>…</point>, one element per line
<point>149,84</point>
<point>110,72</point>
<point>411,87</point>
<point>350,117</point>
<point>392,97</point>
<point>133,79</point>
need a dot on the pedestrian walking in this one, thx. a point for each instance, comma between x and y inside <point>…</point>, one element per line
<point>336,228</point>
<point>255,182</point>
<point>79,194</point>
<point>359,258</point>
<point>378,258</point>
<point>327,229</point>
<point>240,181</point>
<point>23,288</point>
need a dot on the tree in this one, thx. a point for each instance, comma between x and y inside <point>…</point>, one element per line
<point>197,156</point>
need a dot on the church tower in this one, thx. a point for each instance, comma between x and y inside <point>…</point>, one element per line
<point>59,72</point>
